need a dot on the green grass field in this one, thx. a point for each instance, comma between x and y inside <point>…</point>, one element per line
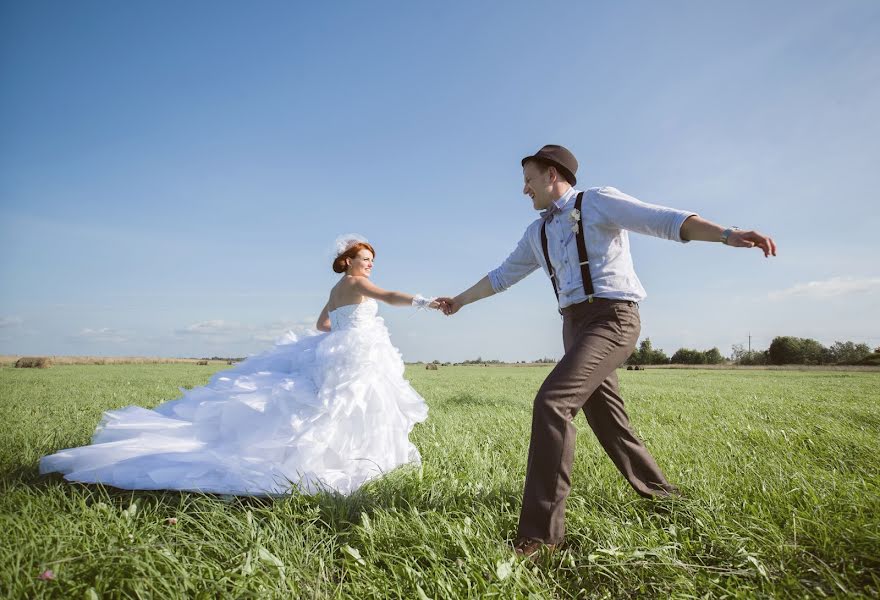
<point>780,471</point>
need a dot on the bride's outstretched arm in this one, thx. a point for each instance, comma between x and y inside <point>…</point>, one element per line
<point>368,288</point>
<point>323,323</point>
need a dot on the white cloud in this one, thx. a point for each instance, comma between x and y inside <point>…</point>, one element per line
<point>105,334</point>
<point>230,332</point>
<point>213,327</point>
<point>10,321</point>
<point>836,286</point>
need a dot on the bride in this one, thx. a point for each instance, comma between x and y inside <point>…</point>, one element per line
<point>328,411</point>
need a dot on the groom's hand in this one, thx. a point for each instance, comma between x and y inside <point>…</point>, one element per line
<point>449,306</point>
<point>751,239</point>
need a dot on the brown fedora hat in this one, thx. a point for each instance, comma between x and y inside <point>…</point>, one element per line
<point>558,157</point>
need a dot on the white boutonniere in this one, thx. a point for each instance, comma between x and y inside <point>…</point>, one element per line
<point>575,217</point>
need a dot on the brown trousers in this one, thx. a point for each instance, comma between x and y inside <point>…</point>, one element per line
<point>598,337</point>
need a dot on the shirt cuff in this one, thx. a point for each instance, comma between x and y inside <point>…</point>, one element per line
<point>498,283</point>
<point>679,221</point>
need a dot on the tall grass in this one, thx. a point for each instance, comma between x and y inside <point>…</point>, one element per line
<point>779,469</point>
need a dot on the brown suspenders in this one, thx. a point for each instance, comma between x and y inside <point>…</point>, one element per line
<point>583,259</point>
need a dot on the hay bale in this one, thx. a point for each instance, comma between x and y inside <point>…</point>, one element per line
<point>431,367</point>
<point>202,362</point>
<point>33,362</point>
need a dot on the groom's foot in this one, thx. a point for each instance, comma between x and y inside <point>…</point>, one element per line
<point>530,548</point>
<point>670,491</point>
<point>664,492</point>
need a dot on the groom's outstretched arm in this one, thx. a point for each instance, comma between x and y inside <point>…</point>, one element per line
<point>695,228</point>
<point>478,291</point>
<point>515,267</point>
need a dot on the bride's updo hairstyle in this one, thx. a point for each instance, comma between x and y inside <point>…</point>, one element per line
<point>339,265</point>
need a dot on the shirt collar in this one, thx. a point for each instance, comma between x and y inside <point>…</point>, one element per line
<point>565,198</point>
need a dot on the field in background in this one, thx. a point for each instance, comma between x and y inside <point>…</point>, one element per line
<point>8,360</point>
<point>779,469</point>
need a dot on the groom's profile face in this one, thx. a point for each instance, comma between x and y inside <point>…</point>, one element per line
<point>538,185</point>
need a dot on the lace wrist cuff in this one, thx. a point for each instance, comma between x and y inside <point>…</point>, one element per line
<point>420,302</point>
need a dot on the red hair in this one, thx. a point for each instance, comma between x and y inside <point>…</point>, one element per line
<point>339,265</point>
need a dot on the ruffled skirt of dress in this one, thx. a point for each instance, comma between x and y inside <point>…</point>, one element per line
<point>325,412</point>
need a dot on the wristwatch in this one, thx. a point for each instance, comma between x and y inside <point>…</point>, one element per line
<point>726,234</point>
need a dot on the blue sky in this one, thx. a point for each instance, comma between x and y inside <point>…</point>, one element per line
<point>173,175</point>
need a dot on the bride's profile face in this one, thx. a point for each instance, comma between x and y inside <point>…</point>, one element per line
<point>362,264</point>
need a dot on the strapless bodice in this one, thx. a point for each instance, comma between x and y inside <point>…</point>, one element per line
<point>354,315</point>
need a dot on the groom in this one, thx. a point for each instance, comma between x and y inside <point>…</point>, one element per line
<point>581,242</point>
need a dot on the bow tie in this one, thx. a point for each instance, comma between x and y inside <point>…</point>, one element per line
<point>549,213</point>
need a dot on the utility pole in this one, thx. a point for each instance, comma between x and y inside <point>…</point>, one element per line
<point>750,343</point>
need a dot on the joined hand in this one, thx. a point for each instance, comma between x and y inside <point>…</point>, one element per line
<point>449,306</point>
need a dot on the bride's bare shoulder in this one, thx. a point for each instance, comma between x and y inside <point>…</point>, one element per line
<point>338,289</point>
<point>352,282</point>
<point>345,292</point>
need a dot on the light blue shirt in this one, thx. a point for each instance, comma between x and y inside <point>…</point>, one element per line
<point>607,214</point>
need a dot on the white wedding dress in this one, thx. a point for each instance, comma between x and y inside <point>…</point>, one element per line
<point>325,412</point>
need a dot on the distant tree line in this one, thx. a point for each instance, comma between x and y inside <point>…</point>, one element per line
<point>480,361</point>
<point>783,350</point>
<point>789,350</point>
<point>494,361</point>
<point>646,354</point>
